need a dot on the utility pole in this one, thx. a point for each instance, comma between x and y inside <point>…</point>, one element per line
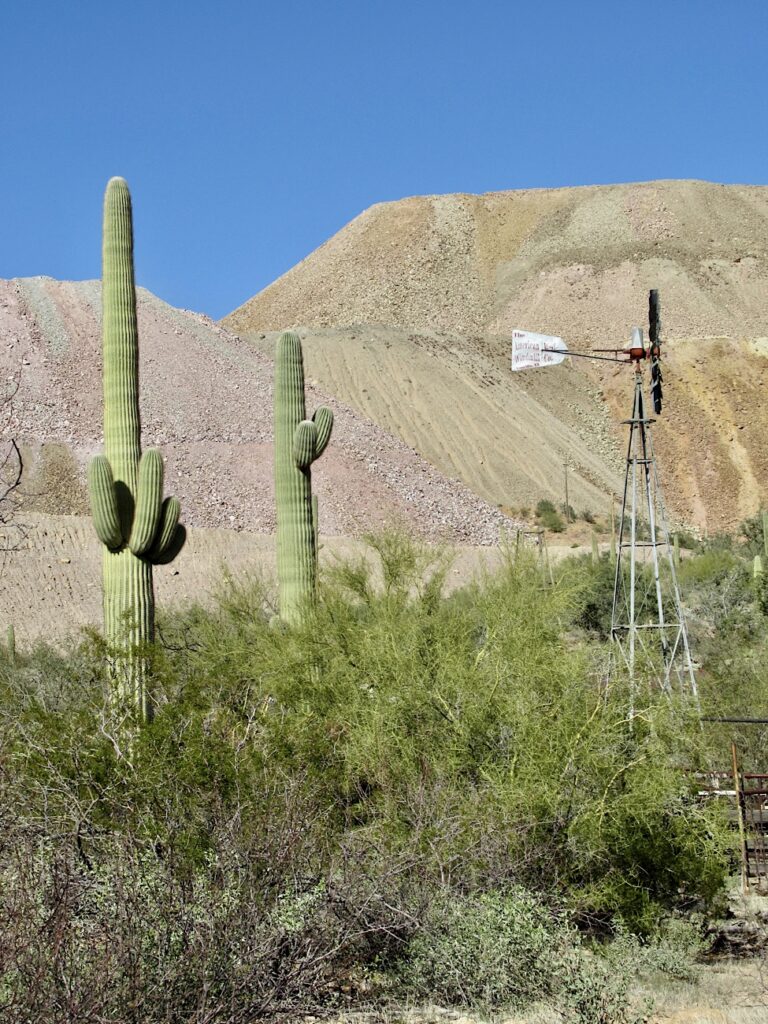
<point>567,504</point>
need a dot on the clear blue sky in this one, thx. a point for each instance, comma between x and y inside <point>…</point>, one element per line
<point>250,132</point>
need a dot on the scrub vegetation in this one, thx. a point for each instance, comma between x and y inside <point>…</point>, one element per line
<point>403,795</point>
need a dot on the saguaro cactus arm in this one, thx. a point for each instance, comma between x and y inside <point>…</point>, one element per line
<point>169,528</point>
<point>323,420</point>
<point>106,514</point>
<point>304,444</point>
<point>149,502</point>
<point>155,531</point>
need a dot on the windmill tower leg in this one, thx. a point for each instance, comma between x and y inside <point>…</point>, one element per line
<point>650,640</point>
<point>651,496</point>
<point>623,632</point>
<point>679,656</point>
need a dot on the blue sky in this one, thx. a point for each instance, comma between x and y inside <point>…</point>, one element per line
<point>250,132</point>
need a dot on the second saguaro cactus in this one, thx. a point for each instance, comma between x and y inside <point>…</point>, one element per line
<point>298,442</point>
<point>136,526</point>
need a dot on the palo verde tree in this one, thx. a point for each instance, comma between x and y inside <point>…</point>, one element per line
<point>137,528</point>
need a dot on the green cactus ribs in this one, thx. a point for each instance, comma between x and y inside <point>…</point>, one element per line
<point>136,526</point>
<point>298,443</point>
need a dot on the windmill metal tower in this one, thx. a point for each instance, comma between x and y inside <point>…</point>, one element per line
<point>647,620</point>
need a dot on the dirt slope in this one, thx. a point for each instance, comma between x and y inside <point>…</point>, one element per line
<point>506,436</point>
<point>51,585</point>
<point>206,400</point>
<point>407,313</point>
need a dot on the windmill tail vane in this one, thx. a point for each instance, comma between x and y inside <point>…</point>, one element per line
<point>531,350</point>
<point>654,330</point>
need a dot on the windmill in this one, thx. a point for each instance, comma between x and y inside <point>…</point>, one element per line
<point>650,640</point>
<point>647,620</point>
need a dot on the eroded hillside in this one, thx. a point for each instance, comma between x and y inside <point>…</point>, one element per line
<point>206,400</point>
<point>408,310</point>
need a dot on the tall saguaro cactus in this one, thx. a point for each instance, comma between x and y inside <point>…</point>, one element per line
<point>137,528</point>
<point>298,442</point>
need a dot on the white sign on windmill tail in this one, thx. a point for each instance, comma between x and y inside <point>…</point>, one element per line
<point>530,350</point>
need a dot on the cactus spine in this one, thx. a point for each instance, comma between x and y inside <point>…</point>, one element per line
<point>135,525</point>
<point>298,442</point>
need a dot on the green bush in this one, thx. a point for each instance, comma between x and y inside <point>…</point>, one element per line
<point>552,521</point>
<point>507,949</point>
<point>596,603</point>
<point>687,540</point>
<point>333,783</point>
<point>751,534</point>
<point>495,949</point>
<point>590,991</point>
<point>673,951</point>
<point>544,506</point>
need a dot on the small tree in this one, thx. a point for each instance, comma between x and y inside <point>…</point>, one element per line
<point>11,466</point>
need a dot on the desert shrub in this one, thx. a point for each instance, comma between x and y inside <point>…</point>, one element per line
<point>687,540</point>
<point>548,516</point>
<point>720,541</point>
<point>331,784</point>
<point>674,950</point>
<point>587,516</point>
<point>552,521</point>
<point>495,949</point>
<point>591,991</point>
<point>720,600</point>
<point>596,604</point>
<point>507,949</point>
<point>726,628</point>
<point>750,533</point>
<point>253,932</point>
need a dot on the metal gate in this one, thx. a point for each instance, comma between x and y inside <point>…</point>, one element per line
<point>747,794</point>
<point>752,798</point>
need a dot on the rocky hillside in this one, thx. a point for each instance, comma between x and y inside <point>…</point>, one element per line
<point>206,400</point>
<point>408,312</point>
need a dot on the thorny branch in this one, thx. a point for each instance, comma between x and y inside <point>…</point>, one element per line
<point>12,533</point>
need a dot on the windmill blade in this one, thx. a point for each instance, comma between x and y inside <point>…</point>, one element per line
<point>654,316</point>
<point>656,386</point>
<point>654,331</point>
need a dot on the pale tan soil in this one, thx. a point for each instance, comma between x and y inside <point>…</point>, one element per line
<point>408,310</point>
<point>505,435</point>
<point>726,992</point>
<point>206,400</point>
<point>51,587</point>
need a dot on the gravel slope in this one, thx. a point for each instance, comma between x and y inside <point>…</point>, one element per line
<point>461,271</point>
<point>206,400</point>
